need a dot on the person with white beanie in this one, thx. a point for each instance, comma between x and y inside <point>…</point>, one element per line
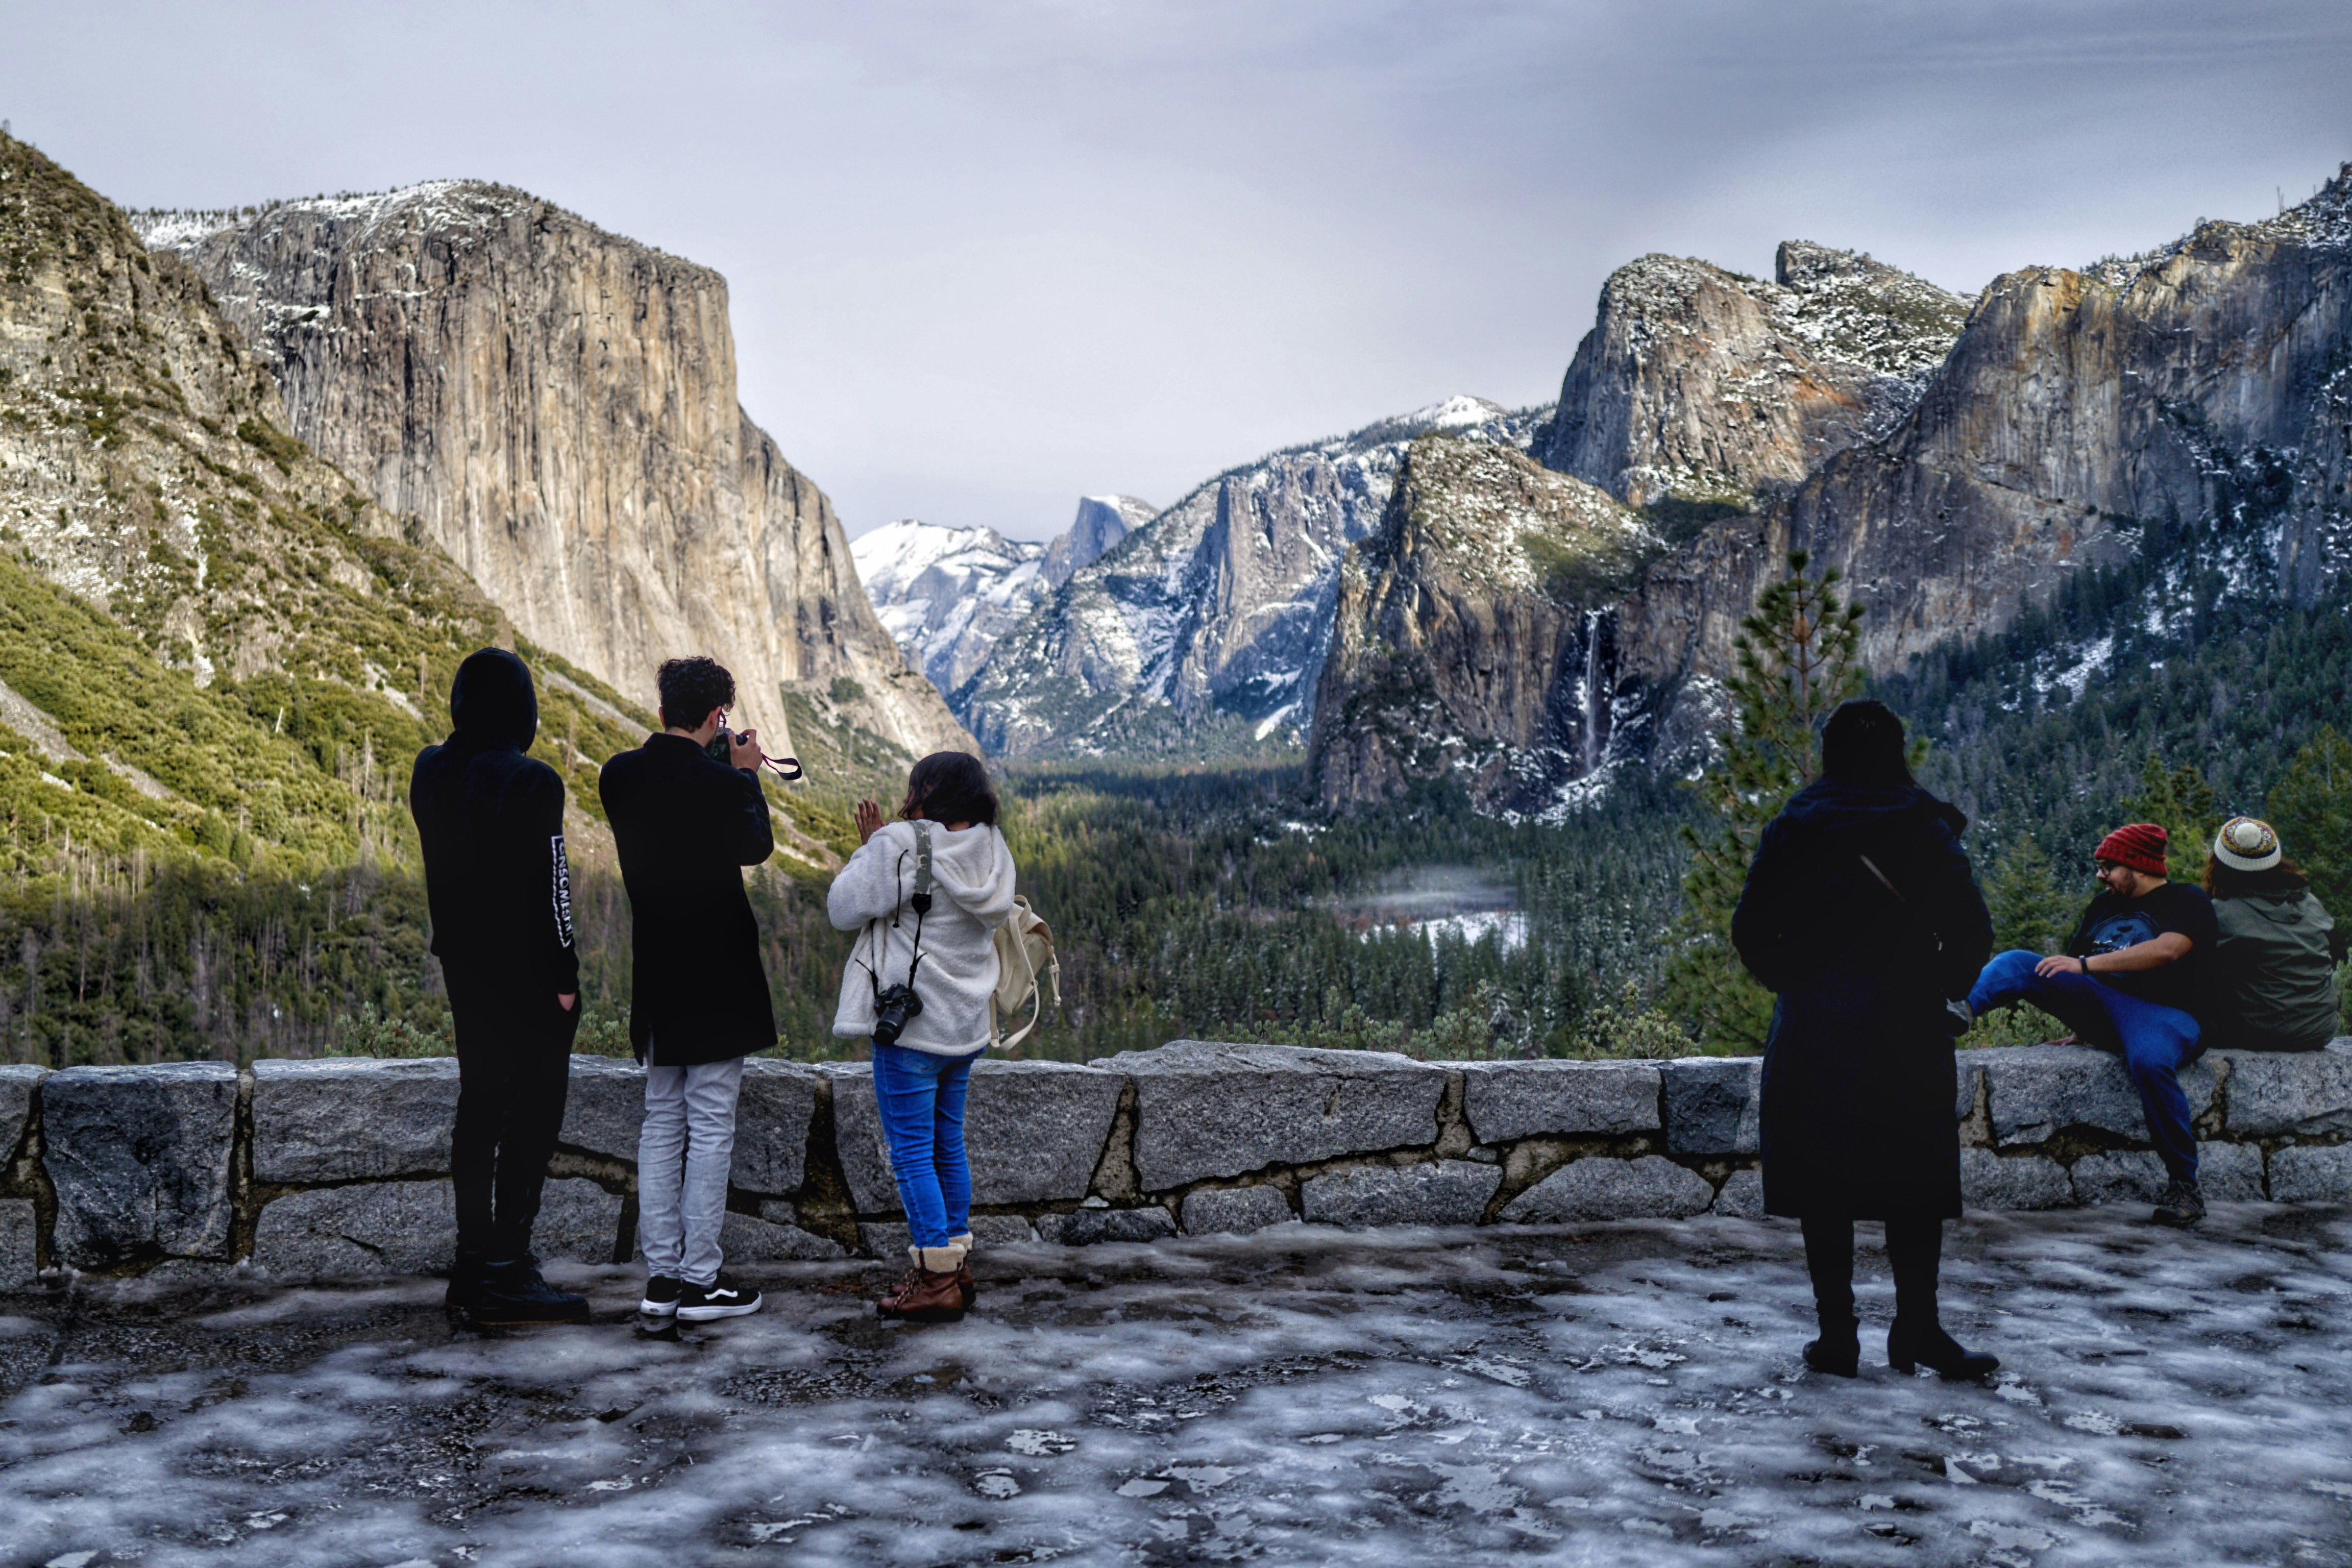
<point>2273,979</point>
<point>926,893</point>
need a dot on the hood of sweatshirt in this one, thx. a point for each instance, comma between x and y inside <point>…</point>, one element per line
<point>492,702</point>
<point>972,867</point>
<point>1835,806</point>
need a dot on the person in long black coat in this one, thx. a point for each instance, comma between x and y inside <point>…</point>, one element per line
<point>491,820</point>
<point>1860,912</point>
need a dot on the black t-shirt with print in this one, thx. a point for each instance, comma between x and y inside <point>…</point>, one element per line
<point>2112,923</point>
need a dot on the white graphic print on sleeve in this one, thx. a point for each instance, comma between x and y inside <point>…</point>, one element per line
<point>562,872</point>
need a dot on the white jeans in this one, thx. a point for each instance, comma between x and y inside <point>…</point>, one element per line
<point>683,1155</point>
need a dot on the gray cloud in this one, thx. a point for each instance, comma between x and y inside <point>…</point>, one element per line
<point>985,257</point>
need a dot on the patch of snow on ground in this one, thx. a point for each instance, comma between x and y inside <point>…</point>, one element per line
<point>1600,1393</point>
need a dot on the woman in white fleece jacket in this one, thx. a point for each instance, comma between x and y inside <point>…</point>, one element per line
<point>920,1081</point>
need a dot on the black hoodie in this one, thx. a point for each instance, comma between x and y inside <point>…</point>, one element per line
<point>492,823</point>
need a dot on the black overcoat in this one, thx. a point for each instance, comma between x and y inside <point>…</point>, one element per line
<point>1858,1114</point>
<point>686,826</point>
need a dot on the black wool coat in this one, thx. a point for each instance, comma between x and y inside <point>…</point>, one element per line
<point>686,826</point>
<point>1858,1114</point>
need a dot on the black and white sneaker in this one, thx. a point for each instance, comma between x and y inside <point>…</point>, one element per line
<point>722,1298</point>
<point>661,1297</point>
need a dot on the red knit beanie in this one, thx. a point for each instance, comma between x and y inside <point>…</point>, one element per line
<point>2139,846</point>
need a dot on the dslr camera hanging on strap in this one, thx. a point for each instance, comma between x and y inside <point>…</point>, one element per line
<point>895,1004</point>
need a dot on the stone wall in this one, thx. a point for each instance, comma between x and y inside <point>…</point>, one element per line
<point>339,1168</point>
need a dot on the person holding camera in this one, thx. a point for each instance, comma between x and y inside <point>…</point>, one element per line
<point>925,894</point>
<point>688,814</point>
<point>490,819</point>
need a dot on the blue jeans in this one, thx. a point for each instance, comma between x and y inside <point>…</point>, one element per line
<point>921,1096</point>
<point>2157,1041</point>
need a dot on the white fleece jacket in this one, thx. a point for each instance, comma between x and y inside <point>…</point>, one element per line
<point>971,892</point>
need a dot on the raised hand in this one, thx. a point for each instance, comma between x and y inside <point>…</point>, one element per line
<point>869,817</point>
<point>745,752</point>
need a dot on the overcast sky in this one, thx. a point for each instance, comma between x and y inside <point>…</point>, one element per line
<point>986,258</point>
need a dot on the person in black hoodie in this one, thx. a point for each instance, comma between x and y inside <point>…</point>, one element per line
<point>1860,912</point>
<point>491,821</point>
<point>686,824</point>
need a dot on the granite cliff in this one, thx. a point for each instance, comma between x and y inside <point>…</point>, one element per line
<point>1203,632</point>
<point>209,638</point>
<point>556,405</point>
<point>1470,630</point>
<point>2191,399</point>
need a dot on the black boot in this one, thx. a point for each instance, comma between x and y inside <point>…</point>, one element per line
<point>1914,1246</point>
<point>1829,1258</point>
<point>465,1281</point>
<point>514,1295</point>
<point>1909,1346</point>
<point>1839,1350</point>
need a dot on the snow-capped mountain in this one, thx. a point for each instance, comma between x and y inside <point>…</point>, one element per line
<point>946,595</point>
<point>1205,630</point>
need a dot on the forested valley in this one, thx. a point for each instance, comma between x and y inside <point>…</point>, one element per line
<point>1207,902</point>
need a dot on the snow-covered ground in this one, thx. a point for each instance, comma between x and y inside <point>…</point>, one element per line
<point>1607,1393</point>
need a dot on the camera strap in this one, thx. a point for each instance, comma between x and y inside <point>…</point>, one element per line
<point>921,903</point>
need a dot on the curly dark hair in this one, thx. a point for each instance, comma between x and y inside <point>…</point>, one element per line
<point>690,688</point>
<point>2228,883</point>
<point>950,787</point>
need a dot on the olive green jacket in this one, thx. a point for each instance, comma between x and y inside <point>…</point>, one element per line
<point>2273,980</point>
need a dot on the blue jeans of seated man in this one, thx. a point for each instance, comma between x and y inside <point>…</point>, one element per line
<point>2157,1041</point>
<point>921,1096</point>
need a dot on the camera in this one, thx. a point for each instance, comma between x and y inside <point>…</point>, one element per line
<point>893,1006</point>
<point>722,749</point>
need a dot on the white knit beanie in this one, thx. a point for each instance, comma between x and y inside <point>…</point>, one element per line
<point>2245,844</point>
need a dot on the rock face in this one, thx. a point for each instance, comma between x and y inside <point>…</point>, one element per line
<point>1234,1211</point>
<point>1102,522</point>
<point>142,468</point>
<point>140,1158</point>
<point>1472,629</point>
<point>1954,473</point>
<point>1204,630</point>
<point>557,406</point>
<point>1699,386</point>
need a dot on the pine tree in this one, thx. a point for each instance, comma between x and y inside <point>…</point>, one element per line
<point>1798,657</point>
<point>2030,909</point>
<point>2311,806</point>
<point>2185,806</point>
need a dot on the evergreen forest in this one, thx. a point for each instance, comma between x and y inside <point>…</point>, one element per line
<point>1185,901</point>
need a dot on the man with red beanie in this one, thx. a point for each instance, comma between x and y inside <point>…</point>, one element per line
<point>2128,982</point>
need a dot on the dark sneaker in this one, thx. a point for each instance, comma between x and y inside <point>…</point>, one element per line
<point>465,1283</point>
<point>515,1296</point>
<point>661,1297</point>
<point>722,1298</point>
<point>2182,1205</point>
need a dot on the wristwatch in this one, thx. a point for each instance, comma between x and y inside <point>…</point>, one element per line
<point>2085,961</point>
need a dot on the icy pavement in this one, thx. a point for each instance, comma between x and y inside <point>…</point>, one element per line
<point>1608,1394</point>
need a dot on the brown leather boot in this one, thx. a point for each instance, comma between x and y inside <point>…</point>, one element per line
<point>923,1297</point>
<point>968,1287</point>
